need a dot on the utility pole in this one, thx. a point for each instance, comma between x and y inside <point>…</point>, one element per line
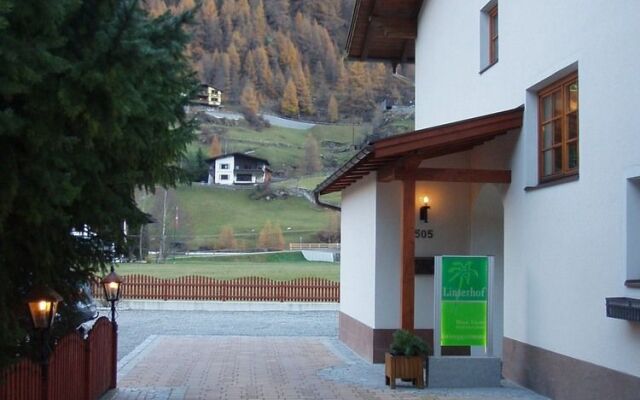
<point>164,227</point>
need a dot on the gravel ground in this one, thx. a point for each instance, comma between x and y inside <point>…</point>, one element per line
<point>134,326</point>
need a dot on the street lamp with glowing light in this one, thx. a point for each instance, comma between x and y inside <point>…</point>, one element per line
<point>43,303</point>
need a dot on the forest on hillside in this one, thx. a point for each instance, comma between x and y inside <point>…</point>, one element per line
<point>286,56</point>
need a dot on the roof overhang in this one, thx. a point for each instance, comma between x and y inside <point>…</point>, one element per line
<point>421,145</point>
<point>384,30</point>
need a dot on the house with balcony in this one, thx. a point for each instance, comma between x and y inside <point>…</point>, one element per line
<point>238,169</point>
<point>209,96</point>
<point>527,147</point>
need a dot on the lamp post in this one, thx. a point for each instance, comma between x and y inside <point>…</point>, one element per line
<point>43,303</point>
<point>111,285</point>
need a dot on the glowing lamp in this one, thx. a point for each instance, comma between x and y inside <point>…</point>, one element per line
<point>111,285</point>
<point>43,303</point>
<point>424,210</point>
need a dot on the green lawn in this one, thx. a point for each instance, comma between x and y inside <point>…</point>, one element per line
<point>310,183</point>
<point>204,210</point>
<point>282,266</point>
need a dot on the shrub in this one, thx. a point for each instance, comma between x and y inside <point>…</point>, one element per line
<point>406,343</point>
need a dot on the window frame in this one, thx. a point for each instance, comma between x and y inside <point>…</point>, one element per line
<point>224,166</point>
<point>562,86</point>
<point>493,34</point>
<point>224,177</point>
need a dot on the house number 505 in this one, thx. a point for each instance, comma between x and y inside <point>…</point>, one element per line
<point>424,233</point>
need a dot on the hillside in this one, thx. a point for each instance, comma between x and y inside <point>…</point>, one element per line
<point>203,212</point>
<point>286,56</point>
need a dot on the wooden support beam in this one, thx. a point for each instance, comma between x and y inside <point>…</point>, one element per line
<point>396,27</point>
<point>369,31</point>
<point>464,175</point>
<point>457,175</point>
<point>407,281</point>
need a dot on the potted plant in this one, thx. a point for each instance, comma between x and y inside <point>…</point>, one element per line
<point>405,359</point>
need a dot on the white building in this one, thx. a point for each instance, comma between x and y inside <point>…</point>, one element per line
<point>528,148</point>
<point>238,169</point>
<point>210,96</point>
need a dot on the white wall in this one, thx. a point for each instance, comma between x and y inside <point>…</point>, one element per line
<point>358,250</point>
<point>229,172</point>
<point>565,245</point>
<point>388,249</point>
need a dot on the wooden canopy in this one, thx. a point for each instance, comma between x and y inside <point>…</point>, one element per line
<point>399,157</point>
<point>384,30</point>
<point>386,155</point>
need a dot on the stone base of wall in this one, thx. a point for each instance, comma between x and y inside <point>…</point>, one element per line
<point>370,343</point>
<point>564,378</point>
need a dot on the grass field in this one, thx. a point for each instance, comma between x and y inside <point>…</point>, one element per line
<point>310,183</point>
<point>278,266</point>
<point>204,210</point>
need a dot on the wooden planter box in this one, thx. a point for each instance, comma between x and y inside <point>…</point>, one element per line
<point>403,367</point>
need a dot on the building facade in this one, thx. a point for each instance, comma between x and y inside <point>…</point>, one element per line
<point>238,169</point>
<point>527,148</point>
<point>209,96</point>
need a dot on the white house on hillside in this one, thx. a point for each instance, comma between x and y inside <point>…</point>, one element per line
<point>238,169</point>
<point>527,146</point>
<point>209,95</point>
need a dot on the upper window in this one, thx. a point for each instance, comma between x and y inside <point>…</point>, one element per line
<point>493,34</point>
<point>488,35</point>
<point>558,129</point>
<point>224,166</point>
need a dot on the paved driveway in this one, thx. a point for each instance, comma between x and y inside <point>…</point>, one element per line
<point>197,355</point>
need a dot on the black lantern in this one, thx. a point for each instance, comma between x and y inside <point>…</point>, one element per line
<point>43,303</point>
<point>424,210</point>
<point>111,285</point>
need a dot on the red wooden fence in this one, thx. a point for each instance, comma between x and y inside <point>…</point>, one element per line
<point>240,289</point>
<point>78,369</point>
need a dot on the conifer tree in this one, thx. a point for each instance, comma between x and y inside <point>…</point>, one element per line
<point>265,76</point>
<point>277,239</point>
<point>92,100</point>
<point>234,71</point>
<point>264,239</point>
<point>303,92</point>
<point>227,238</point>
<point>249,100</point>
<point>259,24</point>
<point>311,163</point>
<point>249,67</point>
<point>215,148</point>
<point>332,109</point>
<point>289,104</point>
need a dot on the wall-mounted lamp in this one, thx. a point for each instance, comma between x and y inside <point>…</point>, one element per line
<point>424,210</point>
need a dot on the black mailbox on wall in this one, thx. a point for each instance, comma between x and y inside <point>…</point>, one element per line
<point>424,265</point>
<point>623,308</point>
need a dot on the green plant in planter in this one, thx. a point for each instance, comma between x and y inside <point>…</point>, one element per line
<point>406,343</point>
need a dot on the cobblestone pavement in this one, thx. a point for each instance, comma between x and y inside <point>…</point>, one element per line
<point>266,367</point>
<point>134,326</point>
<point>177,355</point>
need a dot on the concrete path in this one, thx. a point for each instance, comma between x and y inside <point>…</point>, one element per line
<point>249,367</point>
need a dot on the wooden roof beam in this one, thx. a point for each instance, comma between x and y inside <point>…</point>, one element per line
<point>396,27</point>
<point>369,31</point>
<point>454,175</point>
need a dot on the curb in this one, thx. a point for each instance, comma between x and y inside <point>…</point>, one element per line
<point>190,305</point>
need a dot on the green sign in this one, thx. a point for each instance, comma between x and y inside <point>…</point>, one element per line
<point>464,296</point>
